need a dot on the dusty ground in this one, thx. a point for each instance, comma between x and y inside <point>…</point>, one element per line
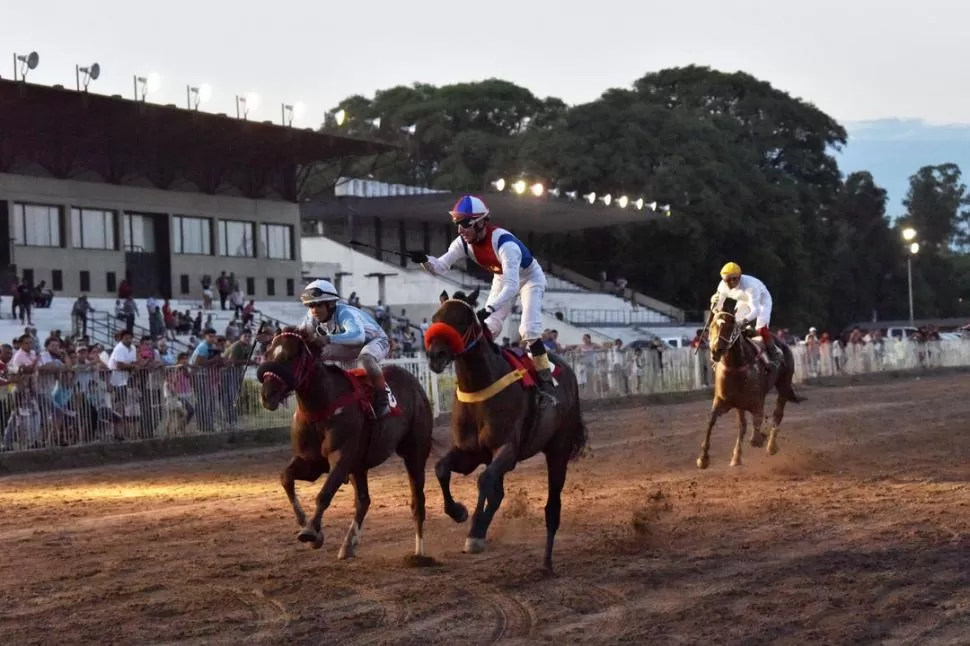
<point>855,533</point>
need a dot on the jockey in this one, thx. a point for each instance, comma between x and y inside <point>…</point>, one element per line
<point>350,334</point>
<point>754,303</point>
<point>516,273</point>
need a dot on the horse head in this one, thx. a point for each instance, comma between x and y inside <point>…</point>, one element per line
<point>454,330</point>
<point>724,331</point>
<point>287,364</point>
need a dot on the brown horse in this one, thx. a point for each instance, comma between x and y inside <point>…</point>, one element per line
<point>496,418</point>
<point>335,423</point>
<point>742,381</point>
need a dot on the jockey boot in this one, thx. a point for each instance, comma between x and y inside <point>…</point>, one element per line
<point>773,354</point>
<point>547,388</point>
<point>382,392</point>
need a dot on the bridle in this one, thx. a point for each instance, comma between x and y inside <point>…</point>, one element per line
<point>735,332</point>
<point>457,342</point>
<point>302,370</point>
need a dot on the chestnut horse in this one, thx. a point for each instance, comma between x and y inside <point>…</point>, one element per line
<point>496,419</point>
<point>334,423</point>
<point>742,381</point>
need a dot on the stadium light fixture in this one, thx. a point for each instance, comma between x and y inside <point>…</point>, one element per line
<point>639,204</point>
<point>499,184</point>
<point>145,85</point>
<point>571,195</point>
<point>607,199</point>
<point>89,74</point>
<point>295,111</point>
<point>27,62</point>
<point>340,116</point>
<point>519,187</point>
<point>590,197</point>
<point>376,122</point>
<point>909,234</point>
<point>246,104</point>
<point>914,248</point>
<point>537,189</point>
<point>195,96</point>
<point>623,201</point>
<point>553,192</point>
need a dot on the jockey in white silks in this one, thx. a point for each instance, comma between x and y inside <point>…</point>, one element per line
<point>516,273</point>
<point>754,304</point>
<point>349,334</point>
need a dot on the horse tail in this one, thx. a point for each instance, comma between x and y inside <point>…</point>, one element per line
<point>784,384</point>
<point>580,436</point>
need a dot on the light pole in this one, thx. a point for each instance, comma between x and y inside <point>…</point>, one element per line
<point>909,235</point>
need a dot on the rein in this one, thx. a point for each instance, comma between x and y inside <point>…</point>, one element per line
<point>731,342</point>
<point>305,368</point>
<point>459,344</point>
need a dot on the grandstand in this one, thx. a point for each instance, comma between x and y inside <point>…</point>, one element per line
<point>362,248</point>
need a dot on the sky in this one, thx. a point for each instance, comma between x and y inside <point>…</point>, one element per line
<point>855,59</point>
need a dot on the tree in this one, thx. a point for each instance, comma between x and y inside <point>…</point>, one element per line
<point>936,205</point>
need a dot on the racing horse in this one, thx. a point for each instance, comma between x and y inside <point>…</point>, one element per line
<point>496,419</point>
<point>742,382</point>
<point>335,423</point>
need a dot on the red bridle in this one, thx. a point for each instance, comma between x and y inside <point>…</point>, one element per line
<point>304,363</point>
<point>454,340</point>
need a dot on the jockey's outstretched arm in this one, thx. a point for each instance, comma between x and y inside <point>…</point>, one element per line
<point>440,266</point>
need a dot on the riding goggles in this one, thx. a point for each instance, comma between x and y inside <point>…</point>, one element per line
<point>317,295</point>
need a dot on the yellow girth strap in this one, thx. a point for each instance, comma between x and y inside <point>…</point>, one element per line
<point>491,391</point>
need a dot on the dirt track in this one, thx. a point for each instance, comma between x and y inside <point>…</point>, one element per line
<point>854,533</point>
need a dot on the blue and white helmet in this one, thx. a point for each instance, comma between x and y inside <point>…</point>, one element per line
<point>469,210</point>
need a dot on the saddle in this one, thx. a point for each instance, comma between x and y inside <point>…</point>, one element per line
<point>363,386</point>
<point>519,359</point>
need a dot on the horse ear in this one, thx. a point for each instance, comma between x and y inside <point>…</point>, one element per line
<point>730,305</point>
<point>472,298</point>
<point>443,295</point>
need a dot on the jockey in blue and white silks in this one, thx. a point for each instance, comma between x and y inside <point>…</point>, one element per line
<point>350,334</point>
<point>515,273</point>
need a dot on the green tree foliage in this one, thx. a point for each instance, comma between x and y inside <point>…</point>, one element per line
<point>748,170</point>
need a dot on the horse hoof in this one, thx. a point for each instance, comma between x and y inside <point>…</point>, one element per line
<point>474,545</point>
<point>758,440</point>
<point>736,462</point>
<point>703,461</point>
<point>458,513</point>
<point>772,448</point>
<point>309,535</point>
<point>346,553</point>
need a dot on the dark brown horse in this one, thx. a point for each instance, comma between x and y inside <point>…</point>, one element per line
<point>496,419</point>
<point>334,423</point>
<point>742,381</point>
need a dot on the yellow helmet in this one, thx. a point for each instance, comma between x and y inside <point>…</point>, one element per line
<point>730,269</point>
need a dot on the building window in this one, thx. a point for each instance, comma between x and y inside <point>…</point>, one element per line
<point>290,287</point>
<point>270,287</point>
<point>92,229</point>
<point>57,280</point>
<point>251,286</point>
<point>110,282</point>
<point>184,286</point>
<point>36,225</point>
<point>85,280</point>
<point>139,233</point>
<point>276,241</point>
<point>192,235</point>
<point>236,239</point>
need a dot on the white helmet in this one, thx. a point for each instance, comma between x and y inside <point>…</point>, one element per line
<point>319,291</point>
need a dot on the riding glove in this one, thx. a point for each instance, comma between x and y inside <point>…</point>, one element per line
<point>484,313</point>
<point>418,256</point>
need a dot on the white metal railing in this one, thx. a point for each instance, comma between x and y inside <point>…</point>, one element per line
<point>76,408</point>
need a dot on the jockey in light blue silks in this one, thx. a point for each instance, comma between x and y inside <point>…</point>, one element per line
<point>516,273</point>
<point>349,334</point>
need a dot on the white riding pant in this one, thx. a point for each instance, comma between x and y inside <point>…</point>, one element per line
<point>531,290</point>
<point>376,348</point>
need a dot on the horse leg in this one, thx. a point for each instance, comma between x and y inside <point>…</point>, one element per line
<point>742,429</point>
<point>414,464</point>
<point>361,504</point>
<point>776,417</point>
<point>491,491</point>
<point>300,469</point>
<point>556,464</point>
<point>461,462</point>
<point>757,421</point>
<point>312,532</point>
<point>719,408</point>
